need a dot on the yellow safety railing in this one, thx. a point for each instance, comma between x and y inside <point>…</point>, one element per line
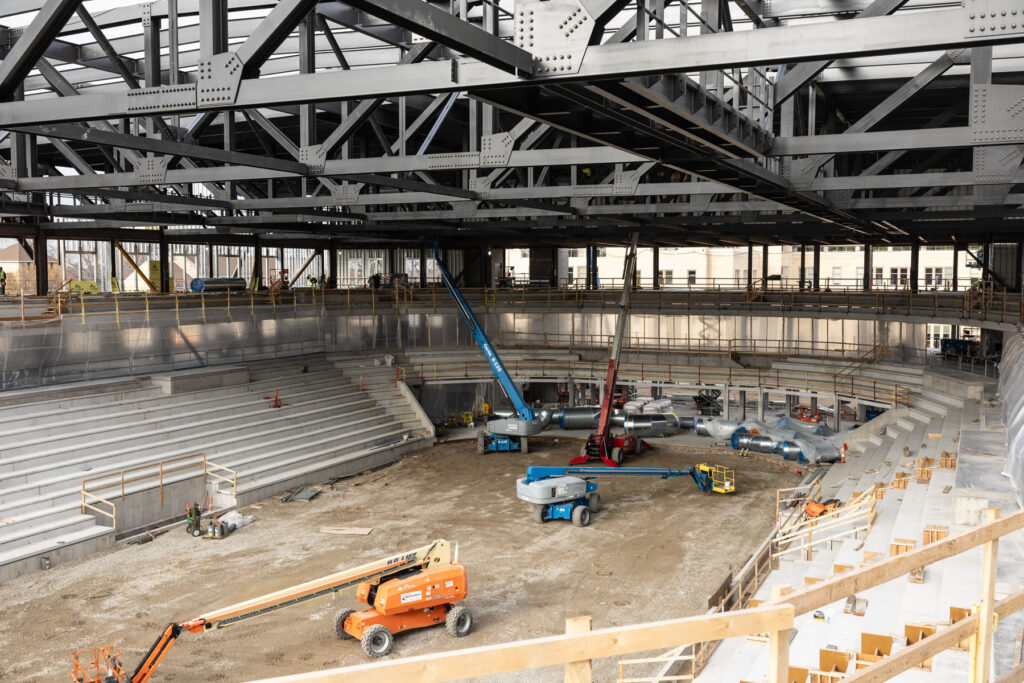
<point>123,480</point>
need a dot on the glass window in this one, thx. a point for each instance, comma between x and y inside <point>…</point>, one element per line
<point>665,276</point>
<point>691,277</point>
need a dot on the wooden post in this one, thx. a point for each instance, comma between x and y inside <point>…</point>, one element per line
<point>578,672</point>
<point>982,666</point>
<point>778,647</point>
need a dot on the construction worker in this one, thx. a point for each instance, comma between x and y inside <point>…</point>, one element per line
<point>312,280</point>
<point>3,282</point>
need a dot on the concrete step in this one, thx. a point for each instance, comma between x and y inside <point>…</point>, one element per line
<point>51,526</point>
<point>60,549</point>
<point>54,450</point>
<point>153,412</point>
<point>113,408</point>
<point>364,434</point>
<point>238,436</point>
<point>22,401</point>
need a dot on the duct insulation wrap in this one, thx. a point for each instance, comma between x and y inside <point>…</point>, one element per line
<point>652,425</point>
<point>578,418</point>
<point>217,284</point>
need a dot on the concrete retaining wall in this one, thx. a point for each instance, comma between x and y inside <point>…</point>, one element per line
<point>960,386</point>
<point>202,379</point>
<point>142,508</point>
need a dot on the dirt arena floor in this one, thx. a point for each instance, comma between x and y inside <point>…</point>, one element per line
<point>656,550</point>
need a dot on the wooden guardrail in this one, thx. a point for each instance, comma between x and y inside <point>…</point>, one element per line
<point>775,617</point>
<point>123,480</point>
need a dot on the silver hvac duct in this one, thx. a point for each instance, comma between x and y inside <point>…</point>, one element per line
<point>654,424</point>
<point>578,418</point>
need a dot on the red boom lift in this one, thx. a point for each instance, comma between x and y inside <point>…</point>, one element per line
<point>601,444</point>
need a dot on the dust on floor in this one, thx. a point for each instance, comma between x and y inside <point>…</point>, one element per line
<point>656,550</point>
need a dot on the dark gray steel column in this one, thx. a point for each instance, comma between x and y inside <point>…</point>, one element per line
<point>657,266</point>
<point>867,268</point>
<point>803,265</point>
<point>423,266</point>
<point>817,268</point>
<point>764,267</point>
<point>750,266</point>
<point>164,285</point>
<point>956,267</point>
<point>915,260</point>
<point>332,267</point>
<point>39,254</point>
<point>257,263</point>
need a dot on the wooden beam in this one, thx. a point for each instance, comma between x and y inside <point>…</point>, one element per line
<point>557,650</point>
<point>851,583</point>
<point>135,267</point>
<point>778,647</point>
<point>983,653</point>
<point>581,671</point>
<point>948,637</point>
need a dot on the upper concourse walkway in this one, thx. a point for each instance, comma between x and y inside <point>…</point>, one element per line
<point>983,308</point>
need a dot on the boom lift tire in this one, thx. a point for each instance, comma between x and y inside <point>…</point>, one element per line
<point>616,455</point>
<point>640,447</point>
<point>377,641</point>
<point>339,624</point>
<point>480,440</point>
<point>594,502</point>
<point>581,516</point>
<point>524,445</point>
<point>538,514</point>
<point>458,622</point>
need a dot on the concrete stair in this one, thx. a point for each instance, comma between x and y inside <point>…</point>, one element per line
<point>901,514</point>
<point>327,426</point>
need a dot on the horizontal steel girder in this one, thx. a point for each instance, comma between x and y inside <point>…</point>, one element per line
<point>936,29</point>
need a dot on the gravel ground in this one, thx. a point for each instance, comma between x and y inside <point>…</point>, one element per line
<point>656,550</point>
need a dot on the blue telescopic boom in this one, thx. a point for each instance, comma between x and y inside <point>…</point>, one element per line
<point>539,473</point>
<point>508,387</point>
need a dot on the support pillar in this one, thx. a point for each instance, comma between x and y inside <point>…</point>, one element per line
<point>803,266</point>
<point>725,403</point>
<point>862,413</point>
<point>211,259</point>
<point>332,267</point>
<point>816,280</point>
<point>115,282</point>
<point>257,264</point>
<point>867,268</point>
<point>915,259</point>
<point>656,259</point>
<point>837,409</point>
<point>764,267</point>
<point>762,402</point>
<point>813,401</point>
<point>423,266</point>
<point>39,255</point>
<point>956,266</point>
<point>165,277</point>
<point>1018,277</point>
<point>983,651</point>
<point>743,405</point>
<point>750,266</point>
<point>791,403</point>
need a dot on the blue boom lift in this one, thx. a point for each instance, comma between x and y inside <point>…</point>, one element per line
<point>508,434</point>
<point>569,493</point>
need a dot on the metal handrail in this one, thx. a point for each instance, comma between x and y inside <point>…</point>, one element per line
<point>852,387</point>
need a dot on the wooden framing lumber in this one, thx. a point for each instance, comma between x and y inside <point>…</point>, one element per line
<point>850,583</point>
<point>560,649</point>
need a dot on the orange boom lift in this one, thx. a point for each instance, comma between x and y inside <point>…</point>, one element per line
<point>407,591</point>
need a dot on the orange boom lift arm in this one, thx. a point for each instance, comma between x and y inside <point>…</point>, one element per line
<point>106,668</point>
